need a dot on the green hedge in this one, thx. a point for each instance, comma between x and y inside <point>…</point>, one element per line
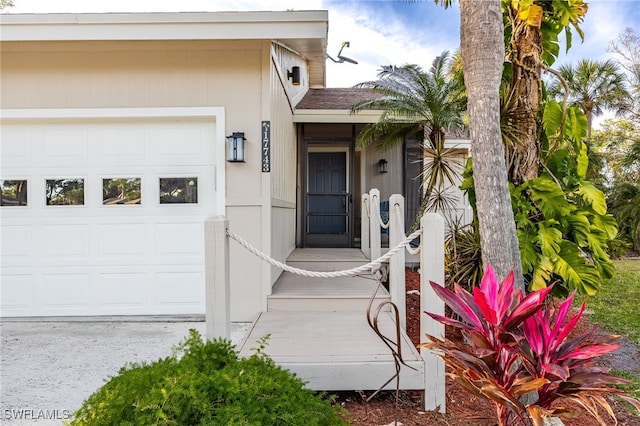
<point>207,385</point>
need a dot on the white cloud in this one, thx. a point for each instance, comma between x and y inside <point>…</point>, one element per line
<point>396,45</point>
<point>380,32</point>
<point>604,22</point>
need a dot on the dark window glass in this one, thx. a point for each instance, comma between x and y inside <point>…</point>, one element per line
<point>179,190</point>
<point>65,192</point>
<point>121,191</point>
<point>14,193</point>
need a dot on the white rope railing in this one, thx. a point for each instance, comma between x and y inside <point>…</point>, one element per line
<point>377,203</point>
<point>368,207</point>
<point>372,266</point>
<point>410,250</point>
<point>218,287</point>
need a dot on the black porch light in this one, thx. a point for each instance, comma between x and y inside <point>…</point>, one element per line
<point>294,75</point>
<point>235,147</point>
<point>383,165</point>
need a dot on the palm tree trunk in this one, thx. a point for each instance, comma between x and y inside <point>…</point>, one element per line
<point>482,46</point>
<point>526,90</point>
<point>589,114</point>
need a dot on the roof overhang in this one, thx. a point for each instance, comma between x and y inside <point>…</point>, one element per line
<point>304,32</point>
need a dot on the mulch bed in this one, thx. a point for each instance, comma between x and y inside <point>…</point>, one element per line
<point>463,409</point>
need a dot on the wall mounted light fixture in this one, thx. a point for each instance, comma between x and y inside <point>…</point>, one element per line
<point>294,76</point>
<point>235,147</point>
<point>383,165</point>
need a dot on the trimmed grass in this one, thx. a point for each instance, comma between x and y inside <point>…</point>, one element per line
<point>615,306</point>
<point>632,390</point>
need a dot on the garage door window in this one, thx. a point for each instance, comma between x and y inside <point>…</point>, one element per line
<point>118,191</point>
<point>182,190</point>
<point>14,192</point>
<point>64,192</point>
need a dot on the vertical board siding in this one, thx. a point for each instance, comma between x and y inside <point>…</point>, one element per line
<point>283,140</point>
<point>284,158</point>
<point>388,183</point>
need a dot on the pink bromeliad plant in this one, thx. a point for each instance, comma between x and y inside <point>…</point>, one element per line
<point>515,346</point>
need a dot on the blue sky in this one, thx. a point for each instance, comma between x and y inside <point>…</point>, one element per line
<point>381,32</point>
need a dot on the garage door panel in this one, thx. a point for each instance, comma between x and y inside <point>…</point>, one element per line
<point>123,145</point>
<point>179,146</point>
<point>66,146</point>
<point>65,290</point>
<point>183,239</point>
<point>16,293</point>
<point>16,150</point>
<point>66,243</point>
<point>122,240</point>
<point>17,244</point>
<point>179,288</point>
<point>96,259</point>
<point>123,290</point>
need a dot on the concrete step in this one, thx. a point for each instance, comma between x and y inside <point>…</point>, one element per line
<point>325,266</point>
<point>335,351</point>
<point>297,293</point>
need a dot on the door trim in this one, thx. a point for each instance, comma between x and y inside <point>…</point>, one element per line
<point>330,239</point>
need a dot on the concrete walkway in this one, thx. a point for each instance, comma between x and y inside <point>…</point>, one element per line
<point>47,369</point>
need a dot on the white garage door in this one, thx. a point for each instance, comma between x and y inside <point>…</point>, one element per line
<point>105,216</point>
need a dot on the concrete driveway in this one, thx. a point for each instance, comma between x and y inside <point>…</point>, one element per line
<point>48,368</point>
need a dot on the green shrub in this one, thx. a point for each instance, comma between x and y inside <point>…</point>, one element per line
<point>204,383</point>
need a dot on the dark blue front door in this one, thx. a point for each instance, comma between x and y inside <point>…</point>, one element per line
<point>328,201</point>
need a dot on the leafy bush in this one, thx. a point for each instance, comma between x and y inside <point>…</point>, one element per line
<point>463,255</point>
<point>207,385</point>
<point>515,345</point>
<point>562,224</point>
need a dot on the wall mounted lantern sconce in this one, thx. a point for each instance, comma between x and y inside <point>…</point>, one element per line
<point>294,75</point>
<point>383,165</point>
<point>235,147</point>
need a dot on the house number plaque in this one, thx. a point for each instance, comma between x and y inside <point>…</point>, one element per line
<point>266,146</point>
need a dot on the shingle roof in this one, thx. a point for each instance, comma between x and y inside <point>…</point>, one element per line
<point>334,98</point>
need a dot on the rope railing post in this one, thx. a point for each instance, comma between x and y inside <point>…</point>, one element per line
<point>432,269</point>
<point>397,288</point>
<point>374,227</point>
<point>216,270</point>
<point>365,226</point>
